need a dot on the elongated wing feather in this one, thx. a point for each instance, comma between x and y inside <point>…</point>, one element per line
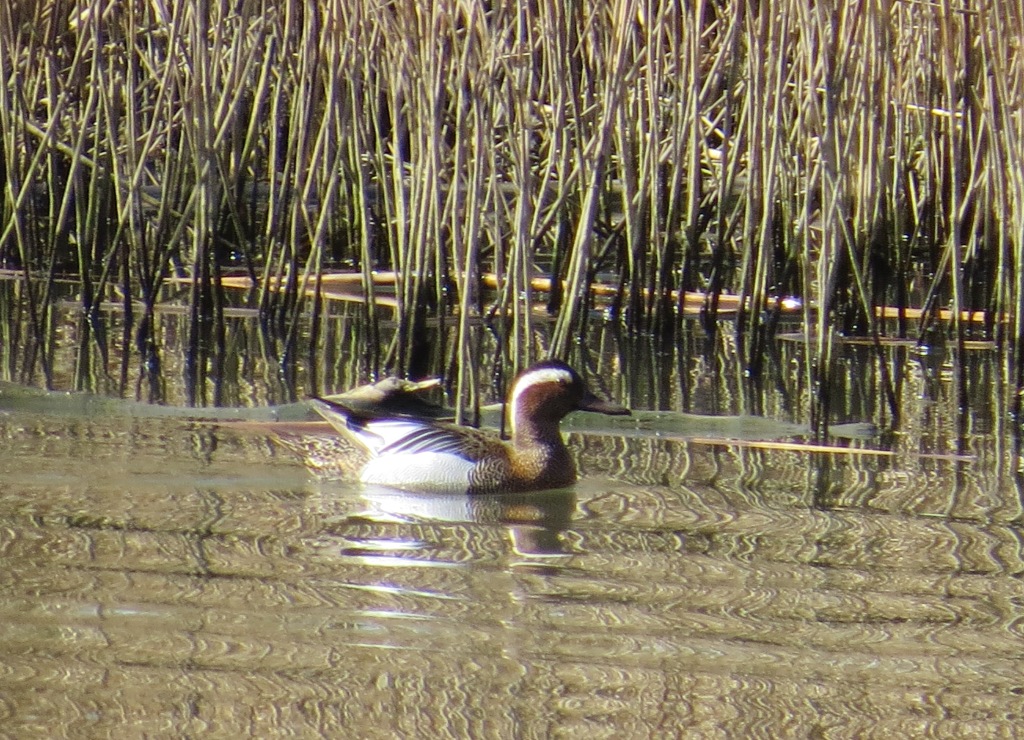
<point>400,435</point>
<point>431,438</point>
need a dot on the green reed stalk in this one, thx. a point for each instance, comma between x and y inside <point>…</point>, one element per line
<point>464,214</point>
<point>595,155</point>
<point>527,117</point>
<point>1007,179</point>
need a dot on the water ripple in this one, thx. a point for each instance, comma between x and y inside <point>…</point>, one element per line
<point>712,594</point>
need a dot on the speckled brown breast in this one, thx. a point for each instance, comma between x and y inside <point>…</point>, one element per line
<point>523,468</point>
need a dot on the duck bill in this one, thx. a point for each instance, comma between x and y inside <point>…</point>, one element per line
<point>590,402</point>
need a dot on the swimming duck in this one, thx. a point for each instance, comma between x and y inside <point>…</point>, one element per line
<point>424,455</point>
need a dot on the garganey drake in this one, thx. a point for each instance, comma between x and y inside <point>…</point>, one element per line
<point>429,456</point>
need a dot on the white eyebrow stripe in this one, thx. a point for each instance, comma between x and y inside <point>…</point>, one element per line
<point>536,377</point>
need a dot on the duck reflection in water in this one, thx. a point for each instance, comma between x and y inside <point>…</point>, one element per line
<point>535,522</point>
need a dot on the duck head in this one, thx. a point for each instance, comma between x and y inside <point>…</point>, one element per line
<point>544,393</point>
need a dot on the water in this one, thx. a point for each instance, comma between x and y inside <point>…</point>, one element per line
<point>166,577</point>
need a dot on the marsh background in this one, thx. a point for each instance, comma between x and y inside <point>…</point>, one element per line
<point>806,213</point>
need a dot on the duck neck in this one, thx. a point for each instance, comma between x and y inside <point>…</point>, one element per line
<point>528,430</point>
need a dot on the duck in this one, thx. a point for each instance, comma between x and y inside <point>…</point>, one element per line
<point>416,454</point>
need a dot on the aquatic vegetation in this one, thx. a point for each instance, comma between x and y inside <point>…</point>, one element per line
<point>854,156</point>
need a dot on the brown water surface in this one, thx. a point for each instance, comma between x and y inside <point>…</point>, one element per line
<point>174,578</point>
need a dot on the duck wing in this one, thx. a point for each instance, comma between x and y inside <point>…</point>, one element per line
<point>392,435</point>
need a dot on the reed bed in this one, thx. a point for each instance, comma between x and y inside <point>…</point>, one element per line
<point>854,155</point>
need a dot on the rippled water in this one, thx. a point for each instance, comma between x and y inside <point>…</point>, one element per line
<point>175,578</point>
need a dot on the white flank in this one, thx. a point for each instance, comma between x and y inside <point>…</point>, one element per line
<point>436,472</point>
